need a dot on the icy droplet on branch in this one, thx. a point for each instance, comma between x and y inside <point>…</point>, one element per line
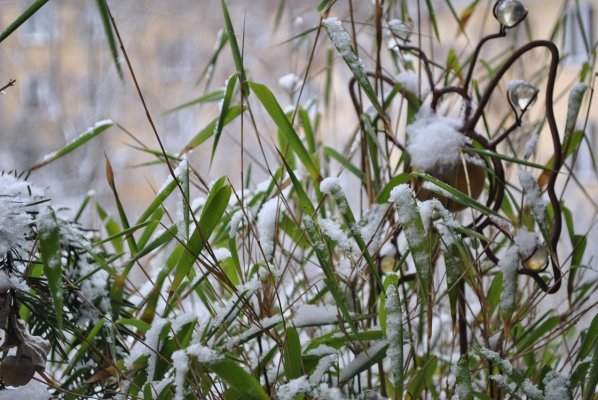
<point>509,12</point>
<point>522,94</point>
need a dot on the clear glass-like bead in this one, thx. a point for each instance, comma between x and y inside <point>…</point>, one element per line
<point>510,12</point>
<point>399,29</point>
<point>522,94</point>
<point>538,260</point>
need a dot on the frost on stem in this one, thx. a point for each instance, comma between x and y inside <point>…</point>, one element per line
<point>492,356</point>
<point>332,187</point>
<point>409,217</point>
<point>333,231</point>
<point>523,247</point>
<point>394,331</point>
<point>533,197</point>
<point>341,40</point>
<point>434,141</point>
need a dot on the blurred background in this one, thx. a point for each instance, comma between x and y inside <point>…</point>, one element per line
<point>66,80</point>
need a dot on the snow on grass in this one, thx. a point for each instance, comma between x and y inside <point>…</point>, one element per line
<point>556,386</point>
<point>333,231</point>
<point>410,81</point>
<point>434,141</point>
<point>394,329</point>
<point>533,196</point>
<point>332,187</point>
<point>342,41</point>
<point>362,359</point>
<point>221,253</point>
<point>289,390</point>
<point>504,366</point>
<point>149,347</point>
<point>324,364</point>
<point>531,390</point>
<point>525,243</point>
<point>309,314</point>
<point>235,222</point>
<point>266,226</point>
<point>94,292</point>
<point>321,350</point>
<point>33,390</point>
<point>180,362</point>
<point>289,82</point>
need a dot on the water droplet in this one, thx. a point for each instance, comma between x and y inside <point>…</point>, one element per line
<point>399,29</point>
<point>537,261</point>
<point>522,94</point>
<point>510,12</point>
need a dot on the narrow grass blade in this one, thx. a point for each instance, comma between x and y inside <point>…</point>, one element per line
<point>51,251</point>
<point>84,346</point>
<point>228,94</point>
<point>207,132</point>
<point>271,105</point>
<point>105,15</point>
<point>83,138</point>
<point>341,40</point>
<point>33,8</point>
<point>234,47</point>
<point>215,95</point>
<point>432,17</point>
<point>121,210</point>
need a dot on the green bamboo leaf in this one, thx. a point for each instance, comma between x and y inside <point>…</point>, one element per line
<point>341,40</point>
<point>292,354</point>
<point>207,132</point>
<point>346,163</point>
<point>228,94</point>
<point>417,238</point>
<point>208,70</point>
<point>112,228</point>
<point>394,181</point>
<point>215,95</point>
<point>246,386</point>
<point>32,9</point>
<point>51,251</point>
<point>105,15</point>
<point>84,346</point>
<point>570,142</point>
<point>211,215</point>
<point>432,17</point>
<point>234,47</point>
<point>505,157</point>
<point>124,232</point>
<point>271,105</point>
<point>325,5</point>
<point>157,202</point>
<point>83,138</point>
<point>592,377</point>
<point>304,201</point>
<point>363,361</point>
<point>124,220</point>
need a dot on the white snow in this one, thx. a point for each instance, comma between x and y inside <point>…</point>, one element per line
<point>322,350</point>
<point>508,265</point>
<point>410,81</point>
<point>533,196</point>
<point>341,40</point>
<point>309,314</point>
<point>333,231</point>
<point>289,82</point>
<point>266,226</point>
<point>504,366</point>
<point>149,347</point>
<point>531,390</point>
<point>361,359</point>
<point>434,141</point>
<point>556,386</point>
<point>394,322</point>
<point>33,390</point>
<point>575,98</point>
<point>203,354</point>
<point>93,290</point>
<point>221,253</point>
<point>289,390</point>
<point>323,366</point>
<point>235,221</point>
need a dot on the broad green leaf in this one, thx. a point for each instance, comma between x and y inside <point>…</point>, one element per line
<point>207,132</point>
<point>211,214</point>
<point>233,374</point>
<point>271,105</point>
<point>84,346</point>
<point>32,9</point>
<point>81,139</point>
<point>292,354</point>
<point>51,251</point>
